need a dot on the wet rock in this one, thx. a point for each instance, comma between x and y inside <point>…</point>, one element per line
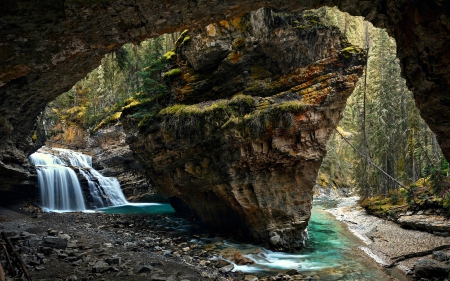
<point>427,268</point>
<point>114,261</point>
<point>239,259</point>
<point>221,263</point>
<point>292,272</point>
<point>227,268</point>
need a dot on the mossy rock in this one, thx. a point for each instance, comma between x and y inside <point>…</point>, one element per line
<point>109,120</point>
<point>170,55</point>
<point>181,40</point>
<point>171,74</point>
<point>351,51</point>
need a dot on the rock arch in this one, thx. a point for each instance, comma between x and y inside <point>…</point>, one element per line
<point>47,46</point>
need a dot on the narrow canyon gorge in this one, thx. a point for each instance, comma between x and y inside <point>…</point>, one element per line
<point>287,82</point>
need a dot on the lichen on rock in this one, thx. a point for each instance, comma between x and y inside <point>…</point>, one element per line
<point>242,140</point>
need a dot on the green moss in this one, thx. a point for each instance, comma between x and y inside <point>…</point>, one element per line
<point>172,109</point>
<point>191,110</point>
<point>351,51</point>
<point>108,120</point>
<point>172,73</point>
<point>292,106</point>
<point>170,55</point>
<point>185,40</point>
<point>146,120</point>
<point>180,41</point>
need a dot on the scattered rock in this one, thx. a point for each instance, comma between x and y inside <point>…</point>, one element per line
<point>54,242</point>
<point>144,268</point>
<point>227,268</point>
<point>427,268</point>
<point>440,256</point>
<point>239,259</point>
<point>100,267</point>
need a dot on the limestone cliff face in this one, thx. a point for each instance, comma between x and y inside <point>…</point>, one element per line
<point>253,104</point>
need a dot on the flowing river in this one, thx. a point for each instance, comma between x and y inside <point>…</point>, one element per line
<point>331,252</point>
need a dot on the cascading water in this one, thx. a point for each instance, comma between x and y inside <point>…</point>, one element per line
<point>104,191</point>
<point>59,186</point>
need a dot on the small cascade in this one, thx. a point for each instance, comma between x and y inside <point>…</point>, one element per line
<point>59,185</point>
<point>104,191</point>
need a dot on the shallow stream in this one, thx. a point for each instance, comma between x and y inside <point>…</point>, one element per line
<point>331,252</point>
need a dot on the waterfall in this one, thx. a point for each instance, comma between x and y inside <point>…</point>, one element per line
<point>59,186</point>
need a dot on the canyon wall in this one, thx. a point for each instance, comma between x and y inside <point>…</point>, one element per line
<point>252,103</point>
<point>47,46</point>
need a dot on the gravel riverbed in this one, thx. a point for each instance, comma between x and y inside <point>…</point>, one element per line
<point>95,246</point>
<point>385,240</point>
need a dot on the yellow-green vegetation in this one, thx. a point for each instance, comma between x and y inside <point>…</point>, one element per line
<point>199,120</point>
<point>181,40</point>
<point>292,106</point>
<point>172,73</point>
<point>197,109</point>
<point>170,55</point>
<point>386,206</point>
<point>109,120</point>
<point>76,114</point>
<point>135,102</point>
<point>185,40</point>
<point>351,51</point>
<point>418,196</point>
<point>310,19</point>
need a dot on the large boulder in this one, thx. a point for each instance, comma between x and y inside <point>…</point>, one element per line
<point>253,104</point>
<point>428,268</point>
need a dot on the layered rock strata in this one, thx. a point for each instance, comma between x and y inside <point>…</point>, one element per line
<point>253,103</point>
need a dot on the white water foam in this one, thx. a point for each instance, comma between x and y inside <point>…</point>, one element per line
<point>59,186</point>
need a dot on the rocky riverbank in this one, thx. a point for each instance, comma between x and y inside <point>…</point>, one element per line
<point>418,254</point>
<point>94,246</point>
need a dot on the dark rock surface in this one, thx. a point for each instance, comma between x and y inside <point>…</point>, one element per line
<point>256,101</point>
<point>114,247</point>
<point>430,268</point>
<point>112,157</point>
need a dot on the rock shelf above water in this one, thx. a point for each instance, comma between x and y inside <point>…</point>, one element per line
<point>253,103</point>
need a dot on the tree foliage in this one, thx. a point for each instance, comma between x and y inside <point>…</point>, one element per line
<point>381,120</point>
<point>132,72</point>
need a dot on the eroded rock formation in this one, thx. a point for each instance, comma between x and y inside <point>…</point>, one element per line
<point>47,46</point>
<point>253,102</point>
